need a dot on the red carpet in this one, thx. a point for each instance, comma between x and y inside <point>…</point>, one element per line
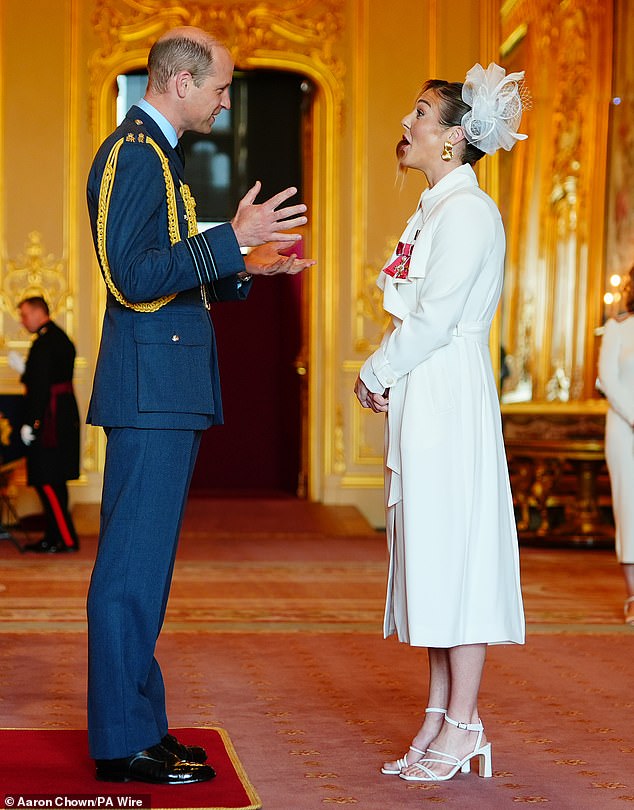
<point>44,763</point>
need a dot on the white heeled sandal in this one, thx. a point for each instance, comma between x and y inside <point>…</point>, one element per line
<point>402,762</point>
<point>483,752</point>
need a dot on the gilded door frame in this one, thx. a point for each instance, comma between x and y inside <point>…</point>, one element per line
<point>304,40</point>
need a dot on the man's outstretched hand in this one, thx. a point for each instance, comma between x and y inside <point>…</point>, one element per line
<point>266,260</point>
<point>255,224</point>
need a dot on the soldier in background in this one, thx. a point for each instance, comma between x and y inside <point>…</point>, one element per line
<point>51,423</point>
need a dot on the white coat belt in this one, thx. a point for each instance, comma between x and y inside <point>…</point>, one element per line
<point>476,330</point>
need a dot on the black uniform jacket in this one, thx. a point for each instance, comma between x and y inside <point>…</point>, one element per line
<point>51,408</point>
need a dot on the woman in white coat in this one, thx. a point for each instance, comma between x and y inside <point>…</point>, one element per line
<point>616,377</point>
<point>453,583</point>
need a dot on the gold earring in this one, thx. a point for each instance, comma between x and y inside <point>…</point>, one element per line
<point>447,152</point>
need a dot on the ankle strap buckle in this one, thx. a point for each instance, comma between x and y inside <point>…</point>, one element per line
<point>465,726</point>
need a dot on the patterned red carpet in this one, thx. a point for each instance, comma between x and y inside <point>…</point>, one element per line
<point>273,633</point>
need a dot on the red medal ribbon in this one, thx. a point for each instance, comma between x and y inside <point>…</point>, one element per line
<point>399,268</point>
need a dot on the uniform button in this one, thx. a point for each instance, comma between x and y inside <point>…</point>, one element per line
<point>175,338</point>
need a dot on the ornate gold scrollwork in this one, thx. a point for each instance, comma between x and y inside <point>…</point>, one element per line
<point>294,35</point>
<point>556,242</point>
<point>369,308</point>
<point>35,273</point>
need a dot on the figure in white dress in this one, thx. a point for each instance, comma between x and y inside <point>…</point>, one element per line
<point>453,583</point>
<point>616,377</point>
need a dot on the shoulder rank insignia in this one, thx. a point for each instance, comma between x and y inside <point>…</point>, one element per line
<point>130,137</point>
<point>141,137</point>
<point>138,122</point>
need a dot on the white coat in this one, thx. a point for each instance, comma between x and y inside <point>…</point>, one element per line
<point>454,563</point>
<point>616,374</point>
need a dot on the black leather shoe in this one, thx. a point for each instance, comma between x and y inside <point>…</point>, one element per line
<point>44,546</point>
<point>155,765</point>
<point>188,753</point>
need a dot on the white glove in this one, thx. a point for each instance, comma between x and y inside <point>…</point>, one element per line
<point>27,435</point>
<point>16,361</point>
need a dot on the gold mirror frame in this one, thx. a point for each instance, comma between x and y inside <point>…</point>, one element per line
<point>300,36</point>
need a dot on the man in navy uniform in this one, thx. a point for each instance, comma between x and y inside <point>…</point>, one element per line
<point>156,385</point>
<point>51,423</point>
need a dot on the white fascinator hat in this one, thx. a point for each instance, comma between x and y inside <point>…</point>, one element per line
<point>496,102</point>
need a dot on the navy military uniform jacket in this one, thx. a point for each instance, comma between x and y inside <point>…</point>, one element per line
<point>157,365</point>
<point>51,408</point>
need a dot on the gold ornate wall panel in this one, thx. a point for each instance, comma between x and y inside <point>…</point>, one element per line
<point>39,222</point>
<point>620,210</point>
<point>554,205</point>
<point>554,193</point>
<point>33,226</point>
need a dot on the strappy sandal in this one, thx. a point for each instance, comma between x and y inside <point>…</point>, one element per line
<point>483,752</point>
<point>628,610</point>
<point>402,762</point>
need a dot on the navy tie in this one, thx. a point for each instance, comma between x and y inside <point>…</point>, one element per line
<point>180,152</point>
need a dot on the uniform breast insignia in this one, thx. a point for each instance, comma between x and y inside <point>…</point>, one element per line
<point>190,209</point>
<point>141,137</point>
<point>130,138</point>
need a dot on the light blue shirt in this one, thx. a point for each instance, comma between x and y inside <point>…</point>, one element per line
<point>166,128</point>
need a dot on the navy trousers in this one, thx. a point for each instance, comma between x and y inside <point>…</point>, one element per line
<point>146,481</point>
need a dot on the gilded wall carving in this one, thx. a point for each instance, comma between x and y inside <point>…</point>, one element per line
<point>34,273</point>
<point>553,197</point>
<point>620,207</point>
<point>371,319</point>
<point>297,34</point>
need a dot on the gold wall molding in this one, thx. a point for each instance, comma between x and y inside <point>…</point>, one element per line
<point>339,460</point>
<point>299,35</point>
<point>620,209</point>
<point>371,320</point>
<point>35,272</point>
<point>554,191</point>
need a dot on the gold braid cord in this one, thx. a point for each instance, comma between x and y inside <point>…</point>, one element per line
<point>105,193</point>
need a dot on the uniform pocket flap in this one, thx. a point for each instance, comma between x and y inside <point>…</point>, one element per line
<point>181,331</point>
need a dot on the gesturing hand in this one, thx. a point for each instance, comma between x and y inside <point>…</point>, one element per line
<point>255,224</point>
<point>266,260</point>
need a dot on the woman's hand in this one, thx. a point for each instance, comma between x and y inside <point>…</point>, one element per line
<point>377,402</point>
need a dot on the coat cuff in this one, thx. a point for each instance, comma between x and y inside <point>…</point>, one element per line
<point>376,373</point>
<point>215,253</point>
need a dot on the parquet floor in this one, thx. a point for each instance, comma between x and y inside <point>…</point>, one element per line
<point>273,632</point>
